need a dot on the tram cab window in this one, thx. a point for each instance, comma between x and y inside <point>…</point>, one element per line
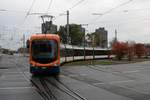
<point>43,50</point>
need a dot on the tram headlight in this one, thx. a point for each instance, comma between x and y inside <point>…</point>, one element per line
<point>32,65</point>
<point>55,65</point>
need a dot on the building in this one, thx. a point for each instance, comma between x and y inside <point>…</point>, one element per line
<point>48,27</point>
<point>102,36</point>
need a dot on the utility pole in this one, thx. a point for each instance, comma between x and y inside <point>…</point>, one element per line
<point>68,39</point>
<point>93,42</point>
<point>0,34</point>
<point>24,45</point>
<point>85,31</point>
<point>84,38</point>
<point>116,35</point>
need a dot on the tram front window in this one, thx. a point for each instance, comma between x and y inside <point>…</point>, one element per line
<point>44,51</point>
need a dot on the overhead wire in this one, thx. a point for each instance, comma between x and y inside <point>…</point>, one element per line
<point>40,13</point>
<point>112,9</point>
<point>28,12</point>
<point>120,5</point>
<point>134,10</point>
<point>72,7</point>
<point>76,4</point>
<point>50,3</point>
<point>13,11</point>
<point>123,20</point>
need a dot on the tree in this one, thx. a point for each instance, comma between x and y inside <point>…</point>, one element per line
<point>147,50</point>
<point>130,50</point>
<point>139,49</point>
<point>119,49</point>
<point>63,35</point>
<point>76,33</point>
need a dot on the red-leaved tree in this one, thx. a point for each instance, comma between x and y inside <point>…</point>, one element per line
<point>139,50</point>
<point>130,52</point>
<point>119,49</point>
<point>147,52</point>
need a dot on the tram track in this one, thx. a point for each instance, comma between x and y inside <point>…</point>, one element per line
<point>39,90</point>
<point>42,92</point>
<point>48,90</point>
<point>65,89</point>
<point>43,85</point>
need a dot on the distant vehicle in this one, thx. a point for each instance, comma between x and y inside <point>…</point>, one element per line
<point>10,53</point>
<point>7,51</point>
<point>44,54</point>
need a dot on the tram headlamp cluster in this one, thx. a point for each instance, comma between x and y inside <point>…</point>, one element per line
<point>55,64</point>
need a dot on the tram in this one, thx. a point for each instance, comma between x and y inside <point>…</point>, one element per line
<point>44,54</point>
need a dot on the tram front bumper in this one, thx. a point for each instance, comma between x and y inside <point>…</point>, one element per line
<point>44,70</point>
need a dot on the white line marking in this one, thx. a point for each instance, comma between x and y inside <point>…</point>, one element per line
<point>11,72</point>
<point>134,71</point>
<point>73,75</point>
<point>83,74</point>
<point>98,83</point>
<point>11,88</point>
<point>113,82</point>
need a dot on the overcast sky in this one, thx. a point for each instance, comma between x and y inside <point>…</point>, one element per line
<point>131,18</point>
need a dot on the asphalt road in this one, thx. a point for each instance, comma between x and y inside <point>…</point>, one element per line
<point>113,82</point>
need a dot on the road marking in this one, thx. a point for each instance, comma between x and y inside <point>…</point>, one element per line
<point>134,71</point>
<point>4,69</point>
<point>22,73</point>
<point>11,88</point>
<point>98,83</point>
<point>73,75</point>
<point>113,82</point>
<point>83,74</point>
<point>11,72</point>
